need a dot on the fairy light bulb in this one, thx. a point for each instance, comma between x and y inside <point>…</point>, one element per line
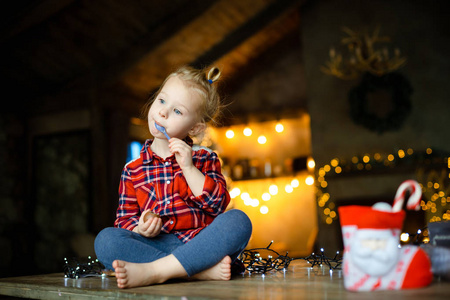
<point>229,134</point>
<point>266,196</point>
<point>247,131</point>
<point>311,163</point>
<point>309,180</point>
<point>245,196</point>
<point>273,189</point>
<point>288,188</point>
<point>295,183</point>
<point>404,237</point>
<point>264,209</point>
<point>279,127</point>
<point>334,162</point>
<point>262,139</point>
<point>235,192</point>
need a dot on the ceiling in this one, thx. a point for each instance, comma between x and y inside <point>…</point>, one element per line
<point>53,49</point>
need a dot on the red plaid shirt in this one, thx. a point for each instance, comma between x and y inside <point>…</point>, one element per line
<point>150,182</point>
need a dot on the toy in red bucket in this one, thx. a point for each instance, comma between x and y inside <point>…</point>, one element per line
<point>373,259</point>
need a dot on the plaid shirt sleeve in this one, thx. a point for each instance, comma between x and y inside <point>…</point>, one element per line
<point>215,197</point>
<point>128,212</point>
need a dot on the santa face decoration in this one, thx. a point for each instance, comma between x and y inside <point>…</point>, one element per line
<point>375,252</point>
<point>373,259</point>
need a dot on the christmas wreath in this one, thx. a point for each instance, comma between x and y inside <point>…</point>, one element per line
<point>399,89</point>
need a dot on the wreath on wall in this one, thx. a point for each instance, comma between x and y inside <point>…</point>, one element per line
<point>398,88</point>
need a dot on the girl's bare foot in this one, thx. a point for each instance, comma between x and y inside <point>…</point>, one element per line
<point>130,275</point>
<point>133,274</point>
<point>221,271</point>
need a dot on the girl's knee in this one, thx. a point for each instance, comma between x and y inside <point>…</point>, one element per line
<point>240,219</point>
<point>104,238</point>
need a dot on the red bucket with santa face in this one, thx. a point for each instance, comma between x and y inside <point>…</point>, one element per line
<point>373,259</point>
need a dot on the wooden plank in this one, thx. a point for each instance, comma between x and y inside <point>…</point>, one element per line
<point>297,282</point>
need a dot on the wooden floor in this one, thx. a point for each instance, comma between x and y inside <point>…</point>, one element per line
<point>298,282</point>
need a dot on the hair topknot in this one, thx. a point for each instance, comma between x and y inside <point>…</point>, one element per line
<point>213,74</point>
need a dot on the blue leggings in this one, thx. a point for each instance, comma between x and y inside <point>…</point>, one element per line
<point>228,234</point>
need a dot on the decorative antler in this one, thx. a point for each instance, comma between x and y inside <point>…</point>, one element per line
<point>363,57</point>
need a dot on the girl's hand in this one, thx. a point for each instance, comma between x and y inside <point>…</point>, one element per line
<point>150,227</point>
<point>183,153</point>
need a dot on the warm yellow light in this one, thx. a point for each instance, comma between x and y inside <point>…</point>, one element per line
<point>295,183</point>
<point>235,192</point>
<point>366,158</point>
<point>390,157</point>
<point>229,134</point>
<point>245,196</point>
<point>377,156</point>
<point>334,162</point>
<point>401,153</point>
<point>254,203</point>
<point>264,209</point>
<point>311,163</point>
<point>279,127</point>
<point>247,131</point>
<point>327,168</point>
<point>310,180</point>
<point>410,151</point>
<point>404,237</point>
<point>338,170</point>
<point>273,189</point>
<point>288,188</point>
<point>248,201</point>
<point>429,151</point>
<point>355,159</point>
<point>266,196</point>
<point>262,139</point>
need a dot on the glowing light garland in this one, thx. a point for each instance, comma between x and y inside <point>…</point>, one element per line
<point>77,268</point>
<point>255,263</point>
<point>435,185</point>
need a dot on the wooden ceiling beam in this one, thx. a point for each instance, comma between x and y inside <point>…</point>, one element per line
<point>191,42</point>
<point>242,34</point>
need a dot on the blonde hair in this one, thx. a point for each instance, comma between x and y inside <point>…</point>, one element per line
<point>201,82</point>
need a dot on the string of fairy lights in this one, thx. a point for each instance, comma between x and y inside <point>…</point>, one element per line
<point>432,170</point>
<point>273,190</point>
<point>255,260</point>
<point>278,182</point>
<point>431,167</point>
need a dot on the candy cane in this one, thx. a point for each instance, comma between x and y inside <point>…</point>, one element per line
<point>414,199</point>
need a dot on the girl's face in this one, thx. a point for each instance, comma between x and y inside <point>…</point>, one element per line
<point>176,108</point>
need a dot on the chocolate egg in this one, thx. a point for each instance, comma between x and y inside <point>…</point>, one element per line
<point>148,214</point>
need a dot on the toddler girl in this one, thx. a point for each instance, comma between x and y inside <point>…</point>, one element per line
<point>171,220</point>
